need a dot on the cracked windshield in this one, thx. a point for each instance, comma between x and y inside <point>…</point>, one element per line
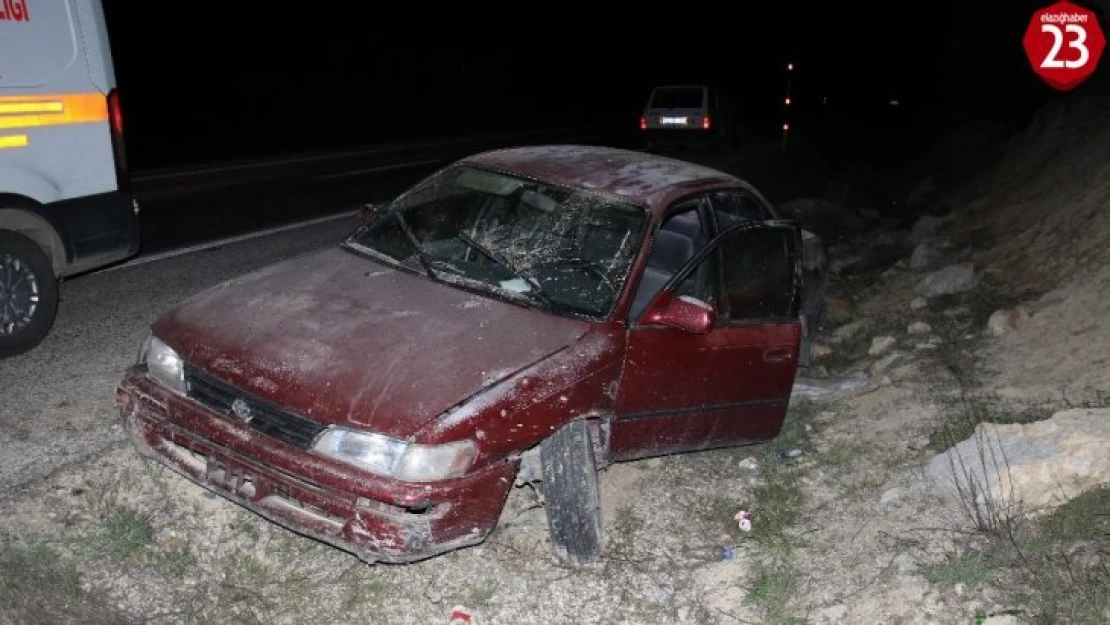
<point>564,251</point>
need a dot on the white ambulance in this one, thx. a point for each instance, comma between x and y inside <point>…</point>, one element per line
<point>65,205</point>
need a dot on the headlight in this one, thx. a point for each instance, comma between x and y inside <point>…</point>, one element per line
<point>402,460</point>
<point>163,364</point>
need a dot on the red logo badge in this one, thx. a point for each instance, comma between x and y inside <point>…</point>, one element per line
<point>1064,43</point>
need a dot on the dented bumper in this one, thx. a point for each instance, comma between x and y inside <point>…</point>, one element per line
<point>374,517</point>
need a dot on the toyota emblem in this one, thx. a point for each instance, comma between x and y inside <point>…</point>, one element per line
<point>241,410</point>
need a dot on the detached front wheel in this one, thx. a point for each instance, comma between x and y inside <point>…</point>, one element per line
<point>28,294</point>
<point>570,490</point>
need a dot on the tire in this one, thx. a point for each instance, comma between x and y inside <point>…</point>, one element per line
<point>28,294</point>
<point>570,490</point>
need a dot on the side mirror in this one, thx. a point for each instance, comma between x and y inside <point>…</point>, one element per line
<point>682,313</point>
<point>368,212</point>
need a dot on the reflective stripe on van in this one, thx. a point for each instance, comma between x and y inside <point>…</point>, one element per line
<point>32,111</point>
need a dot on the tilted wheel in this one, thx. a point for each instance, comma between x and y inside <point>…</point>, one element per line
<point>570,490</point>
<point>28,294</point>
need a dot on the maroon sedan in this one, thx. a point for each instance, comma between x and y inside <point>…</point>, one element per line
<point>523,315</point>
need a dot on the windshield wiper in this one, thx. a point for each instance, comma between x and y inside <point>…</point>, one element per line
<point>536,291</point>
<point>420,255</point>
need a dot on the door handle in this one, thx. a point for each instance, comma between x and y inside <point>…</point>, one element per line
<point>777,354</point>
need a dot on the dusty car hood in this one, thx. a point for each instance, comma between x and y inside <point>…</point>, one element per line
<point>344,339</point>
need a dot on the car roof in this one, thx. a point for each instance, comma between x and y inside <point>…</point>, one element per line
<point>645,178</point>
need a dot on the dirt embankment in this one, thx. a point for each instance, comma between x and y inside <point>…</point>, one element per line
<point>1040,222</point>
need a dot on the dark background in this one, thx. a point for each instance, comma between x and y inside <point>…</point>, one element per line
<point>204,82</point>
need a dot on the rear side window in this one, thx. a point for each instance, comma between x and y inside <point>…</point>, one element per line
<point>678,98</point>
<point>733,207</point>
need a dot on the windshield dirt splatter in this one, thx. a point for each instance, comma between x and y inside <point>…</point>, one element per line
<point>567,252</point>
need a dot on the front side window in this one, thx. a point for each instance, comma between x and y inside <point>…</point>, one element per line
<point>563,250</point>
<point>758,267</point>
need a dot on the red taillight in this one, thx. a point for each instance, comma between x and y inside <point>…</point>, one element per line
<point>114,112</point>
<point>115,121</point>
<point>705,123</point>
<point>643,123</point>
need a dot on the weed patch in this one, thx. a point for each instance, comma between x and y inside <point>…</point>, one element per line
<point>771,591</point>
<point>1051,570</point>
<point>38,586</point>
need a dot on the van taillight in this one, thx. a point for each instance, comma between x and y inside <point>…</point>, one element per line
<point>643,123</point>
<point>705,123</point>
<point>115,121</point>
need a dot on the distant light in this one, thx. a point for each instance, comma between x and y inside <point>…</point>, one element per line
<point>824,99</point>
<point>705,123</point>
<point>785,127</point>
<point>789,67</point>
<point>643,123</point>
<point>894,102</point>
<point>787,101</point>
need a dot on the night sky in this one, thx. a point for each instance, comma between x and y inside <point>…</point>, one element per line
<point>202,83</point>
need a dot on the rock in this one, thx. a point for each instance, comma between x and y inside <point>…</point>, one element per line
<point>952,279</point>
<point>886,363</point>
<point>832,614</point>
<point>923,194</point>
<point>918,303</point>
<point>839,310</point>
<point>848,331</point>
<point>873,256</point>
<point>820,351</point>
<point>919,327</point>
<point>924,257</point>
<point>659,594</point>
<point>750,464</point>
<point>1003,619</point>
<point>918,443</point>
<point>828,220</point>
<point>1034,466</point>
<point>890,495</point>
<point>868,213</point>
<point>1007,320</point>
<point>923,229</point>
<point>880,344</point>
<point>905,563</point>
<point>830,388</point>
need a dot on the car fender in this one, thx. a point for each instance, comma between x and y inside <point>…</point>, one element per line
<point>527,407</point>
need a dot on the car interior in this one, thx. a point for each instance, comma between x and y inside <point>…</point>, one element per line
<point>677,241</point>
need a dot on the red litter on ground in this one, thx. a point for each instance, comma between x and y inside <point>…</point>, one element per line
<point>744,520</point>
<point>459,616</point>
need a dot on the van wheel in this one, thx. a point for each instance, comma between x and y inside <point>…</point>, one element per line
<point>570,490</point>
<point>28,294</point>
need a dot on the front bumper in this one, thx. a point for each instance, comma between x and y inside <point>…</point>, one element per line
<point>376,518</point>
